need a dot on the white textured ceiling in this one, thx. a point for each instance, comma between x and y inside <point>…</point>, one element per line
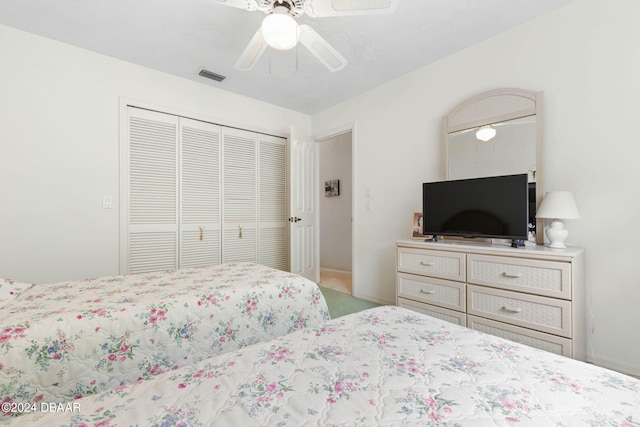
<point>180,37</point>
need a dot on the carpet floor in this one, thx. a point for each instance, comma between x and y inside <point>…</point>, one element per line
<point>338,280</point>
<point>340,303</point>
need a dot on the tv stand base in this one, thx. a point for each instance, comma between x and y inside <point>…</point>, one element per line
<point>517,243</point>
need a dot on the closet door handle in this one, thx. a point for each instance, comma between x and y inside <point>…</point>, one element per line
<point>512,275</point>
<point>511,309</point>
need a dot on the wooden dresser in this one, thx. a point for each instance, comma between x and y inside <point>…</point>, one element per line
<point>532,295</point>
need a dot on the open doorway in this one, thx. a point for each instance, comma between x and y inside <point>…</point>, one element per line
<point>335,212</point>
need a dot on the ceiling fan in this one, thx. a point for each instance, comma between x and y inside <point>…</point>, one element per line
<point>280,30</point>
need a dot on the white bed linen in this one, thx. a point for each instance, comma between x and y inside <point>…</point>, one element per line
<point>386,366</point>
<point>67,340</point>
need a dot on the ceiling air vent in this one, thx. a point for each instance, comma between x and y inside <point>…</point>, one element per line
<point>211,75</point>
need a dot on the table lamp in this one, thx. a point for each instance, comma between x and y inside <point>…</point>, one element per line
<point>558,205</point>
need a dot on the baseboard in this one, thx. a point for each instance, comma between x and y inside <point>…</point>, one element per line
<point>334,270</point>
<point>624,368</point>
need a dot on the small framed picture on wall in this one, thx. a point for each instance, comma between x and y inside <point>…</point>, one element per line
<point>416,227</point>
<point>332,188</point>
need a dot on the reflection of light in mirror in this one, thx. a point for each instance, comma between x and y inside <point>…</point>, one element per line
<point>511,151</point>
<point>485,133</point>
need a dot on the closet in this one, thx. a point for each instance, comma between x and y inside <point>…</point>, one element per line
<point>197,193</point>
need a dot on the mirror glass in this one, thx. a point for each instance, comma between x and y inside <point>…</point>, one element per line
<point>512,150</point>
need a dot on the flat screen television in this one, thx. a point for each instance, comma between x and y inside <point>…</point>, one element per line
<point>493,207</point>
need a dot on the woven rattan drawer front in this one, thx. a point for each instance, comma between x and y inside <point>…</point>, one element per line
<point>549,278</point>
<point>441,264</point>
<point>540,340</point>
<point>529,311</point>
<point>445,293</point>
<point>433,311</point>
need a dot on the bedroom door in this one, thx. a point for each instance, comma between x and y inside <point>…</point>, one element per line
<point>303,205</point>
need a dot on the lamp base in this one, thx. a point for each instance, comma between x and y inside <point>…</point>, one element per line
<point>557,234</point>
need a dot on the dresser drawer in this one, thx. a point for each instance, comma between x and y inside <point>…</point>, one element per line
<point>547,278</point>
<point>441,264</point>
<point>529,311</point>
<point>433,311</point>
<point>444,293</point>
<point>539,340</point>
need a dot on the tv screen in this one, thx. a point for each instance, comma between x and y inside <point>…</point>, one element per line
<point>495,207</point>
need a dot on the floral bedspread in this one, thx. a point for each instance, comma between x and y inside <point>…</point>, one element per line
<point>62,341</point>
<point>386,366</point>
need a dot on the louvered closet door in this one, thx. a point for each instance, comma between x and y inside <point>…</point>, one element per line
<point>151,217</point>
<point>272,168</point>
<point>200,193</point>
<point>239,204</point>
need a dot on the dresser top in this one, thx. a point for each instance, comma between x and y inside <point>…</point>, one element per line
<point>503,249</point>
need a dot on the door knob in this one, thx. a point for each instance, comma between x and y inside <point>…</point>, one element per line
<point>294,219</point>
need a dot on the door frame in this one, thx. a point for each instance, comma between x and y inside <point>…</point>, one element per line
<point>348,127</point>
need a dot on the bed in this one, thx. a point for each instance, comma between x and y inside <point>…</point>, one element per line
<point>59,342</point>
<point>383,366</point>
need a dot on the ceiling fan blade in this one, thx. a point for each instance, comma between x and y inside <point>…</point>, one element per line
<point>240,4</point>
<point>320,8</point>
<point>321,49</point>
<point>252,52</point>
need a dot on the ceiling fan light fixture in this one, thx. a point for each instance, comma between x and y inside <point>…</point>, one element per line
<point>485,133</point>
<point>280,30</point>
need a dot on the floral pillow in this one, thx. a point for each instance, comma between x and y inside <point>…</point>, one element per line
<point>10,289</point>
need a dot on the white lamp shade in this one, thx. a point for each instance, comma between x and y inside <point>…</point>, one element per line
<point>558,204</point>
<point>485,133</point>
<point>280,31</point>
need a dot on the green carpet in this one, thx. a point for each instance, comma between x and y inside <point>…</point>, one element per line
<point>340,303</point>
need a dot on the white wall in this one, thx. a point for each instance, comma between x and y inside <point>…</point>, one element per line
<point>584,57</point>
<point>335,212</point>
<point>59,150</point>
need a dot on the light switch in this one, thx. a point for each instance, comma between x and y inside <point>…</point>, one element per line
<point>369,193</point>
<point>107,202</point>
<point>369,205</point>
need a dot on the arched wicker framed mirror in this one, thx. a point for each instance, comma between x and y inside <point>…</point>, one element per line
<point>514,119</point>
